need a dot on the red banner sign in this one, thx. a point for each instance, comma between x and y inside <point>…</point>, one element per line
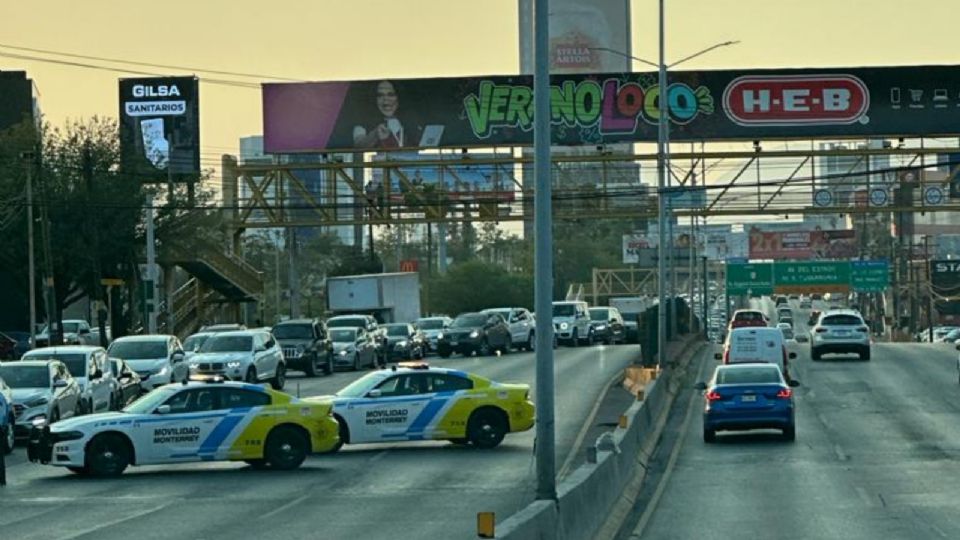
<point>816,244</point>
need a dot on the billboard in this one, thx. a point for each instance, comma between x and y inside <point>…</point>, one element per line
<point>160,128</point>
<point>579,30</point>
<point>815,244</point>
<point>945,277</point>
<point>457,181</point>
<point>602,108</point>
<point>16,98</point>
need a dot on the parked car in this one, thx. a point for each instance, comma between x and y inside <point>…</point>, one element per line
<point>370,326</point>
<point>748,396</point>
<point>158,359</point>
<point>607,325</point>
<point>305,346</point>
<point>244,355</point>
<point>840,331</point>
<point>431,327</point>
<point>43,392</point>
<point>353,348</point>
<point>89,368</point>
<point>127,382</point>
<point>404,342</point>
<point>75,332</point>
<point>480,333</point>
<point>8,418</point>
<point>523,332</point>
<point>571,323</point>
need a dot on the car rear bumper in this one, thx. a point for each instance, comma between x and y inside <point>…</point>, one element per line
<point>832,347</point>
<point>741,421</point>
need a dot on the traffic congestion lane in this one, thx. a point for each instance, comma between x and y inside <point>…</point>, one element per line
<point>429,489</point>
<point>875,454</point>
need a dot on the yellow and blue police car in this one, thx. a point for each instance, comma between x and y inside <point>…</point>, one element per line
<point>190,422</point>
<point>413,402</point>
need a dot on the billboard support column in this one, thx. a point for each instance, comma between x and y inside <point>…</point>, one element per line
<point>150,304</point>
<point>661,204</point>
<point>543,253</point>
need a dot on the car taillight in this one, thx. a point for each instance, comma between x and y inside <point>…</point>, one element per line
<point>862,329</point>
<point>785,393</point>
<point>726,356</point>
<point>821,330</point>
<point>713,395</point>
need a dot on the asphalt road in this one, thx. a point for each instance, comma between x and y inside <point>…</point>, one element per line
<point>409,490</point>
<point>875,457</point>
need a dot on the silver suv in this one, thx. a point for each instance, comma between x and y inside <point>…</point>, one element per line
<point>246,355</point>
<point>571,323</point>
<point>840,331</point>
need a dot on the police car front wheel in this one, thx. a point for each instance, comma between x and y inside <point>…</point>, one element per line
<point>286,448</point>
<point>108,454</point>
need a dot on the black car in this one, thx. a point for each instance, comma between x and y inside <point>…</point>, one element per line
<point>127,383</point>
<point>480,333</point>
<point>306,346</point>
<point>781,300</point>
<point>404,342</point>
<point>607,325</point>
<point>22,339</point>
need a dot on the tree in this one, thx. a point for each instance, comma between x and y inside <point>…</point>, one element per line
<point>476,285</point>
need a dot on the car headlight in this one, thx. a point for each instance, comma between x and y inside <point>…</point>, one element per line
<point>440,335</point>
<point>194,365</point>
<point>233,365</point>
<point>39,421</point>
<point>401,344</point>
<point>474,334</point>
<point>60,436</point>
<point>36,402</point>
<point>601,327</point>
<point>564,326</point>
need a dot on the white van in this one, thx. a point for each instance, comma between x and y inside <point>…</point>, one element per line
<point>756,344</point>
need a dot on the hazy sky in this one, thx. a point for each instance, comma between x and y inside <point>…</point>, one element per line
<point>361,39</point>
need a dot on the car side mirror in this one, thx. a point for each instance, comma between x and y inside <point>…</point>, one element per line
<point>260,348</point>
<point>793,383</point>
<point>60,383</point>
<point>700,386</point>
<point>375,393</point>
<point>717,356</point>
<point>97,374</point>
<point>163,409</point>
<point>792,356</point>
<point>177,357</point>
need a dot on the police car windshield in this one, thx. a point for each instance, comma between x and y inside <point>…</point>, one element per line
<point>293,331</point>
<point>25,376</point>
<point>469,321</point>
<point>76,363</point>
<point>563,310</point>
<point>149,402</point>
<point>342,335</point>
<point>598,315</point>
<point>361,386</point>
<point>397,330</point>
<point>430,324</point>
<point>227,344</point>
<point>138,350</point>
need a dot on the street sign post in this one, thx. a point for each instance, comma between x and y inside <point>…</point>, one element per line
<point>749,279</point>
<point>869,276</point>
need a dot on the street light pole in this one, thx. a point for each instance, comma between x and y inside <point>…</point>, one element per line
<point>543,253</point>
<point>661,201</point>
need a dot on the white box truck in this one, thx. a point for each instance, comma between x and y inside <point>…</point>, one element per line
<point>388,297</point>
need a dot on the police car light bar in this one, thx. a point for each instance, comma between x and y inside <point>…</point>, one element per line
<point>207,378</point>
<point>414,365</point>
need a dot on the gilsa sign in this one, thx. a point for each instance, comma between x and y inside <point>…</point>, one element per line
<point>604,108</point>
<point>160,128</point>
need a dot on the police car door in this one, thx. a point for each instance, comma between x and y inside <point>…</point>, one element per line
<point>192,423</point>
<point>390,410</point>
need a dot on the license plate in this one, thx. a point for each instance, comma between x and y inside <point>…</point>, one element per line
<point>748,399</point>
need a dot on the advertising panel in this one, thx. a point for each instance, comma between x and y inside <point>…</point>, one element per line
<point>160,128</point>
<point>816,244</point>
<point>457,181</point>
<point>945,277</point>
<point>602,108</point>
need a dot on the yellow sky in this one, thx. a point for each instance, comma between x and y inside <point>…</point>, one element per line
<point>360,39</point>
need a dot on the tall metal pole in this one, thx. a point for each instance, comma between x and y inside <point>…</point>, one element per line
<point>31,265</point>
<point>293,275</point>
<point>662,204</point>
<point>151,305</point>
<point>543,253</point>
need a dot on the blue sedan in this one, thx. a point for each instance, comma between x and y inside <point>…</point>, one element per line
<point>748,396</point>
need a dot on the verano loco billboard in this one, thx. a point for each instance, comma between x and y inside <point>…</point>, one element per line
<point>612,107</point>
<point>160,128</point>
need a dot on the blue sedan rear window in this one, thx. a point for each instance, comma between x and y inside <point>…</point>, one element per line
<point>749,375</point>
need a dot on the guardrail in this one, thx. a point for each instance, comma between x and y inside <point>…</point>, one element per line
<point>587,497</point>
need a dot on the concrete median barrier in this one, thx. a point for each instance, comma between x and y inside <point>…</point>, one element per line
<point>590,499</point>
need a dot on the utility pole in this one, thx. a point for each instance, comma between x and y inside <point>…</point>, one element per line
<point>662,215</point>
<point>150,287</point>
<point>27,158</point>
<point>54,328</point>
<point>293,275</point>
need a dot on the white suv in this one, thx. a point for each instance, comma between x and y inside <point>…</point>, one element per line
<point>247,355</point>
<point>571,323</point>
<point>840,331</point>
<point>523,333</point>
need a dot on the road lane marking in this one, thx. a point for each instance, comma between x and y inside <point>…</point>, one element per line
<point>286,506</point>
<point>115,522</point>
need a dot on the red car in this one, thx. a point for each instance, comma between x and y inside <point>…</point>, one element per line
<point>748,317</point>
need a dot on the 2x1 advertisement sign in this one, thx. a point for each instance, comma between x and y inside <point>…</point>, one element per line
<point>816,244</point>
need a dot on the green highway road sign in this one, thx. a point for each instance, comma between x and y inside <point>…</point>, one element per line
<point>869,276</point>
<point>804,277</point>
<point>749,279</point>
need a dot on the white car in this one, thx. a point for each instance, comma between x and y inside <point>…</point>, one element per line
<point>840,331</point>
<point>8,418</point>
<point>571,323</point>
<point>522,326</point>
<point>91,369</point>
<point>75,332</point>
<point>787,330</point>
<point>432,327</point>
<point>157,359</point>
<point>192,344</point>
<point>246,355</point>
<point>42,391</point>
